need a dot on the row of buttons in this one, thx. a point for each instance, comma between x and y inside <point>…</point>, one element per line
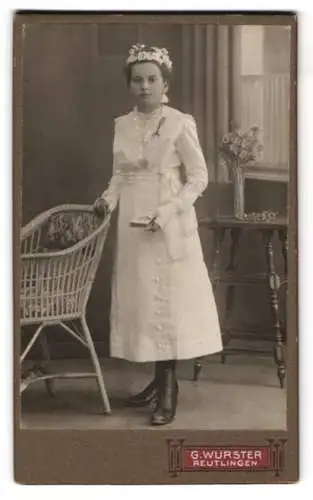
<point>157,278</point>
<point>159,312</point>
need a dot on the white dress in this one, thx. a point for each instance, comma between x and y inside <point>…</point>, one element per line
<point>163,305</point>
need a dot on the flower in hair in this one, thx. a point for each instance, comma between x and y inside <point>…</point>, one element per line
<point>139,52</point>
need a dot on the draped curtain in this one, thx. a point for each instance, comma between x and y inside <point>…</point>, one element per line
<point>207,73</point>
<point>208,93</point>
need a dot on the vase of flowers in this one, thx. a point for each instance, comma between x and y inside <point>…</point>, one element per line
<point>238,189</point>
<point>239,150</point>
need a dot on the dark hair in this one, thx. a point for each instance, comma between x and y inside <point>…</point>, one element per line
<point>165,72</point>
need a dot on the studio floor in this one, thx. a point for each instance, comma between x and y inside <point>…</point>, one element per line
<point>242,394</point>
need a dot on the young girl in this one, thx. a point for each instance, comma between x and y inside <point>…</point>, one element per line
<point>163,307</point>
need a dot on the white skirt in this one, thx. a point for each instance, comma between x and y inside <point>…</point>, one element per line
<point>161,308</point>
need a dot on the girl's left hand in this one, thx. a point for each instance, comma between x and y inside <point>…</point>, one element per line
<point>152,226</point>
<point>101,207</point>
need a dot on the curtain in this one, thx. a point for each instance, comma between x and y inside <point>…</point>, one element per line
<point>207,87</point>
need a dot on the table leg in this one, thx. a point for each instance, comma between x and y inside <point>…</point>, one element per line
<point>274,284</point>
<point>197,367</point>
<point>226,330</point>
<point>283,236</point>
<point>235,234</point>
<point>219,235</point>
<point>216,265</point>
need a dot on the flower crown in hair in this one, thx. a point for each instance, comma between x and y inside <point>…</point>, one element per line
<point>139,53</point>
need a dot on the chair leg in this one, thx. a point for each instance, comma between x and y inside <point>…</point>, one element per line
<point>95,360</point>
<point>39,369</point>
<point>46,357</point>
<point>31,342</point>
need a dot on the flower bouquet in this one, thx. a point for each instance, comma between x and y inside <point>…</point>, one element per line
<point>240,149</point>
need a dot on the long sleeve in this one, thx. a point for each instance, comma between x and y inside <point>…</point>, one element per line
<point>190,153</point>
<point>112,193</point>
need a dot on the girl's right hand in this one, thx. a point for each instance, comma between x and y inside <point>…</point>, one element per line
<point>101,207</point>
<point>152,226</point>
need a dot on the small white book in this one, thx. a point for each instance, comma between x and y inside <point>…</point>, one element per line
<point>142,221</point>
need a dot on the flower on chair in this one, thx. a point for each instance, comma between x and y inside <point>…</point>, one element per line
<point>64,230</point>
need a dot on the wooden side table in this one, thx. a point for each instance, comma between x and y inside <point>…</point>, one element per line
<point>232,278</point>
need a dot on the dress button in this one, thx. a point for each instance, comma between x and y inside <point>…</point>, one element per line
<point>159,327</point>
<point>156,279</point>
<point>159,261</point>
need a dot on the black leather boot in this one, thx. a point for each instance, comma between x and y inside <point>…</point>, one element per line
<point>148,395</point>
<point>144,397</point>
<point>167,394</point>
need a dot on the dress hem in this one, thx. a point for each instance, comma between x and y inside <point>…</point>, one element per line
<point>165,358</point>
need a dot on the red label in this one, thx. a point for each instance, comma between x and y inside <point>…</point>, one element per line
<point>206,458</point>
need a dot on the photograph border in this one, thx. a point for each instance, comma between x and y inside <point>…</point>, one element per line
<point>121,457</point>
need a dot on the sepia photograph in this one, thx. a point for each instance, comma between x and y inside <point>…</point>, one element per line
<point>153,219</point>
<point>153,265</point>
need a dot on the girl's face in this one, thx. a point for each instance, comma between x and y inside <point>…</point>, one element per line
<point>147,85</point>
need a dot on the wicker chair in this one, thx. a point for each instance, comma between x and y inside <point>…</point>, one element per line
<point>60,253</point>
